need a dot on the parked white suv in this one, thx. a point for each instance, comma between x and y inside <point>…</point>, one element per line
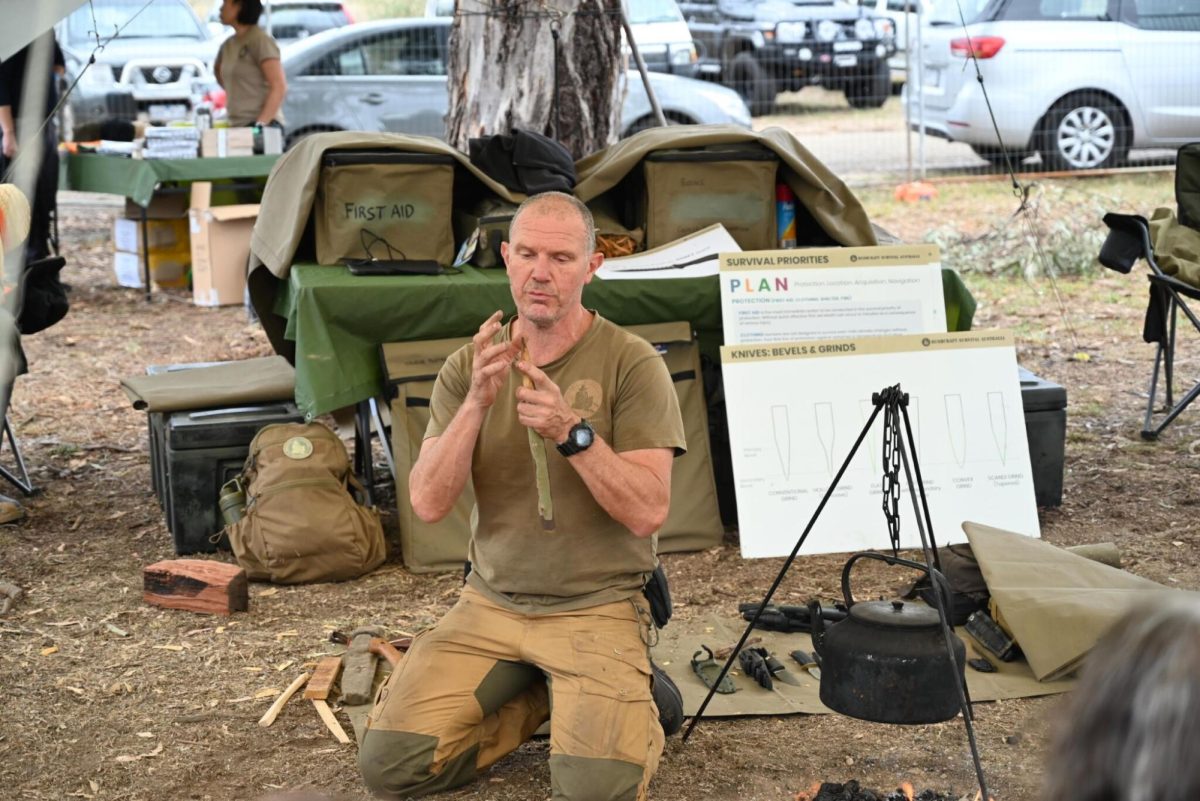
<point>159,62</point>
<point>1078,81</point>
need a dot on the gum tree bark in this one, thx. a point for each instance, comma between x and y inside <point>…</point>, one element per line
<point>503,75</point>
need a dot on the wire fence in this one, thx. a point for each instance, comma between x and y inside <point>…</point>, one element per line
<point>874,88</point>
<point>967,86</point>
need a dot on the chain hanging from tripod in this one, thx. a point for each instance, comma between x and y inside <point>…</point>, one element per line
<point>891,399</point>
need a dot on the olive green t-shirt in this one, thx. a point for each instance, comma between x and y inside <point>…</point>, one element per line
<point>240,62</point>
<point>618,383</point>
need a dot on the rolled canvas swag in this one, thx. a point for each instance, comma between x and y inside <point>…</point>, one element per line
<point>384,205</point>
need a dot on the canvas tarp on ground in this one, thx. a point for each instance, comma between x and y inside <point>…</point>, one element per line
<point>681,638</point>
<point>1056,604</point>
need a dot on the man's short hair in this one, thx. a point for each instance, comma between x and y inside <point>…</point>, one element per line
<point>249,11</point>
<point>561,198</point>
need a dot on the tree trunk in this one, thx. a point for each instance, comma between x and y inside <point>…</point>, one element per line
<point>503,76</point>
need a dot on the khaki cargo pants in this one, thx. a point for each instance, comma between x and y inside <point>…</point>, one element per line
<point>479,684</point>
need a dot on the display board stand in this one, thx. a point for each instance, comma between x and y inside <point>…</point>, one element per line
<point>894,403</point>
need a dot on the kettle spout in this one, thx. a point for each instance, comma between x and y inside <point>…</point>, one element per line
<point>816,625</point>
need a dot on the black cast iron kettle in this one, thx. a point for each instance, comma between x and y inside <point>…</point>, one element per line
<point>887,661</point>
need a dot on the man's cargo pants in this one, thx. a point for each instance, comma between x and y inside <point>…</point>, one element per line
<point>478,684</point>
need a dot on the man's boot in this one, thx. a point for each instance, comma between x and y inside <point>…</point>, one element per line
<point>10,510</point>
<point>668,700</point>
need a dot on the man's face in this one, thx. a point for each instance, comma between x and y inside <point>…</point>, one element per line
<point>548,263</point>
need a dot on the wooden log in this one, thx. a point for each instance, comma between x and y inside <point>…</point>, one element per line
<point>197,585</point>
<point>323,677</point>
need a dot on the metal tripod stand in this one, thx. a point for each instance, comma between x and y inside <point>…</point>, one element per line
<point>897,447</point>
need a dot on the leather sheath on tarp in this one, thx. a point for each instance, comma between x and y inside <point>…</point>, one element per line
<point>261,380</point>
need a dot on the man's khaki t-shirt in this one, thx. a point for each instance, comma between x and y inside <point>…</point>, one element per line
<point>618,383</point>
<point>240,62</point>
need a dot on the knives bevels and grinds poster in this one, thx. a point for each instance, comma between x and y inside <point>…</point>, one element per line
<point>795,409</point>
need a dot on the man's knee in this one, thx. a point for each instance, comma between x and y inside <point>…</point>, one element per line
<point>575,778</point>
<point>392,762</point>
<point>398,765</point>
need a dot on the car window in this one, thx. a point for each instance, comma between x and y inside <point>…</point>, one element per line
<point>945,12</point>
<point>644,12</point>
<point>351,62</point>
<point>135,19</point>
<point>1162,15</point>
<point>1057,10</point>
<point>294,23</point>
<point>412,51</point>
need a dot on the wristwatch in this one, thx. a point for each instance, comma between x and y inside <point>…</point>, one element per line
<point>579,439</point>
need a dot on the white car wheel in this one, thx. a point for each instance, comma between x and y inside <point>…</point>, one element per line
<point>1084,133</point>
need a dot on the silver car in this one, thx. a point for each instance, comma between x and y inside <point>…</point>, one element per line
<point>391,76</point>
<point>1078,81</point>
<point>160,62</point>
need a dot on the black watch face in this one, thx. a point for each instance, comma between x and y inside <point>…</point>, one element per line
<point>581,436</point>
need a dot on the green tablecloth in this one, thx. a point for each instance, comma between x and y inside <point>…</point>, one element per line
<point>137,178</point>
<point>338,320</point>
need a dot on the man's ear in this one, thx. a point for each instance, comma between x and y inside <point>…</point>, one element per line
<point>594,263</point>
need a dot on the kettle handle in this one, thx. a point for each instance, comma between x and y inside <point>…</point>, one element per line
<point>935,577</point>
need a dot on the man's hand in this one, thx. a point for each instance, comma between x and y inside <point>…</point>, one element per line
<point>490,363</point>
<point>8,144</point>
<point>543,407</point>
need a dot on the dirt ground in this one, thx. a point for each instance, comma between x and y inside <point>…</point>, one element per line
<point>108,698</point>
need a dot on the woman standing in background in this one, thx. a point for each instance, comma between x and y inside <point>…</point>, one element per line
<point>249,69</point>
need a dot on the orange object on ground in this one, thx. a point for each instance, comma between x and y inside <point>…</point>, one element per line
<point>916,190</point>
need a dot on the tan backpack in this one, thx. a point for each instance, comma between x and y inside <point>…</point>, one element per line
<point>302,522</point>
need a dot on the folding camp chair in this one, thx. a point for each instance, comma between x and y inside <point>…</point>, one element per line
<point>12,363</point>
<point>42,303</point>
<point>1129,240</point>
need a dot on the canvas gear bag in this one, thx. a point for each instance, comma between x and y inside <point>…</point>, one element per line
<point>694,520</point>
<point>410,370</point>
<point>482,228</point>
<point>302,522</point>
<point>687,190</point>
<point>384,205</point>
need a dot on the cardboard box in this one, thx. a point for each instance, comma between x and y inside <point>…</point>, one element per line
<point>168,268</point>
<point>222,142</point>
<point>161,234</point>
<point>163,206</point>
<point>220,238</point>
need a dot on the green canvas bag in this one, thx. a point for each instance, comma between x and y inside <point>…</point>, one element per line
<point>410,369</point>
<point>483,227</point>
<point>301,522</point>
<point>687,190</point>
<point>694,520</point>
<point>384,205</point>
